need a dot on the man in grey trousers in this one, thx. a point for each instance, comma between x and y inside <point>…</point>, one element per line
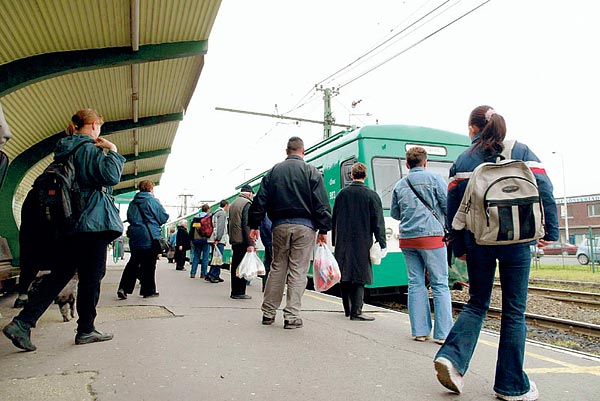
<point>296,214</point>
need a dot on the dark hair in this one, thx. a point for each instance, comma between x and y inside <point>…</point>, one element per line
<point>295,144</point>
<point>359,170</point>
<point>82,117</point>
<point>415,156</point>
<point>205,207</point>
<point>223,203</point>
<point>146,186</point>
<point>492,129</point>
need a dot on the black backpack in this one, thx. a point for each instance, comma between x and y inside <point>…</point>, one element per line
<point>58,195</point>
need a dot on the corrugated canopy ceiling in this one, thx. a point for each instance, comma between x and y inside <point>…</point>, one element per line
<point>137,62</point>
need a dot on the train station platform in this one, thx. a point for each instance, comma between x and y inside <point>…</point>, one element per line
<point>195,343</point>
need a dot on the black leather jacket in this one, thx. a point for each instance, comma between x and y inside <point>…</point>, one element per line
<point>292,189</point>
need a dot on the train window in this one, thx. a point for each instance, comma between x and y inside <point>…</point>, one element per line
<point>386,173</point>
<point>346,172</point>
<point>441,168</point>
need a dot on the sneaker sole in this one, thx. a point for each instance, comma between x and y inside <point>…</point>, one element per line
<point>443,375</point>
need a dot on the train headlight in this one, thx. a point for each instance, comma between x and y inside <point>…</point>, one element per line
<point>389,233</point>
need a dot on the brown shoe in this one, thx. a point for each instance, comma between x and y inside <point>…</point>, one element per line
<point>268,320</point>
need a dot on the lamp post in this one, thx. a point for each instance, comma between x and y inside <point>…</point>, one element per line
<point>564,211</point>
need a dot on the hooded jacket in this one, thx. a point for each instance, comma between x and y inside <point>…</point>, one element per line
<point>145,210</point>
<point>96,173</point>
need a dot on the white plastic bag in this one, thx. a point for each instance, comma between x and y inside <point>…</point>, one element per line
<point>326,272</point>
<point>250,267</point>
<point>217,258</point>
<point>376,253</point>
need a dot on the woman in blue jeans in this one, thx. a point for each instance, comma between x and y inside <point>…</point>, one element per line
<point>487,131</point>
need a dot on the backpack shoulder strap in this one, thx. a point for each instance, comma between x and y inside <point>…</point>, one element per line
<point>508,148</point>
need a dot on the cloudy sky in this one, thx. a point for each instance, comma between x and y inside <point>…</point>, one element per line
<point>534,61</point>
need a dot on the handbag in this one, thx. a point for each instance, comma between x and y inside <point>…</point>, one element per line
<point>158,245</point>
<point>437,217</point>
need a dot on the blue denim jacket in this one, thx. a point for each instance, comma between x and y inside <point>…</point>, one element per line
<point>415,219</point>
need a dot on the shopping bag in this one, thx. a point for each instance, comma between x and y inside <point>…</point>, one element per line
<point>250,267</point>
<point>326,272</point>
<point>217,258</point>
<point>376,253</point>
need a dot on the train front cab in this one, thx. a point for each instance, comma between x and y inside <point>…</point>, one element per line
<point>383,149</point>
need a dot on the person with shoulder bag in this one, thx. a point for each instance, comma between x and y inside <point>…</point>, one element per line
<point>419,203</point>
<point>145,215</point>
<point>508,248</point>
<point>97,167</point>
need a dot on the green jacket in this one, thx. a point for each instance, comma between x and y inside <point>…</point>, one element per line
<point>96,173</point>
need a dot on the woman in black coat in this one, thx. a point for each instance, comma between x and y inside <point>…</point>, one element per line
<point>357,217</point>
<point>182,245</point>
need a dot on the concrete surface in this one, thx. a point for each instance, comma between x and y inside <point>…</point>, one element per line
<point>195,343</point>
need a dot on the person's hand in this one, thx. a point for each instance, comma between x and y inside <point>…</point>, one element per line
<point>180,248</point>
<point>322,239</point>
<point>462,257</point>
<point>542,243</point>
<point>250,249</point>
<point>216,242</point>
<point>254,233</point>
<point>105,144</point>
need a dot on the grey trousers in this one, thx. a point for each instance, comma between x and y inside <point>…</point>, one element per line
<point>293,246</point>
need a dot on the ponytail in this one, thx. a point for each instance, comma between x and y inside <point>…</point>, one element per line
<point>82,117</point>
<point>492,129</point>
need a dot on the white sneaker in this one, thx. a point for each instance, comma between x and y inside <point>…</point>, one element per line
<point>531,395</point>
<point>448,376</point>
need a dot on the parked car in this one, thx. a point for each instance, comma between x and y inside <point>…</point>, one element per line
<point>536,252</point>
<point>584,254</point>
<point>560,248</point>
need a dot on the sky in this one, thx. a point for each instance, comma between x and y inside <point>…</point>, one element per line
<point>536,62</point>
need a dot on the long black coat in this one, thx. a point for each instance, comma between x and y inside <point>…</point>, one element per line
<point>357,217</point>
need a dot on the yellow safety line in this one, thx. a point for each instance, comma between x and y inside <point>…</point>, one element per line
<point>339,303</point>
<point>568,367</point>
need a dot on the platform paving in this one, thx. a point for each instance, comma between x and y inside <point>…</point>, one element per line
<point>195,343</point>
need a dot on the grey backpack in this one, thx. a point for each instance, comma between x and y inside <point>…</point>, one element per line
<point>502,203</point>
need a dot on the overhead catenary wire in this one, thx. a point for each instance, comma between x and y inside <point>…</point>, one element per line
<point>413,29</point>
<point>413,45</point>
<point>330,77</point>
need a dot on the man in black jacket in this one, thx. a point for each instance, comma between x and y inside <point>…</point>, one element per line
<point>294,196</point>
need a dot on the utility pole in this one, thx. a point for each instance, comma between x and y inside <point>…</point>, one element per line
<point>328,119</point>
<point>184,206</point>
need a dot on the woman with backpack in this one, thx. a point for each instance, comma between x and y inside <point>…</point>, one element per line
<point>97,167</point>
<point>487,130</point>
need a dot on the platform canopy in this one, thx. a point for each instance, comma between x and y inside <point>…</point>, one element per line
<point>137,62</point>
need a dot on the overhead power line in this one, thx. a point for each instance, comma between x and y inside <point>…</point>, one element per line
<point>414,44</point>
<point>383,43</point>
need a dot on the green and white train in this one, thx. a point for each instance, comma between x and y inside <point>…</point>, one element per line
<point>382,148</point>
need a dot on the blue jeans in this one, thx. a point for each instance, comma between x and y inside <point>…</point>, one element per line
<point>435,261</point>
<point>215,271</point>
<point>200,248</point>
<point>514,263</point>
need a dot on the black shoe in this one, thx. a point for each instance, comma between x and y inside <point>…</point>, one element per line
<point>241,296</point>
<point>363,318</point>
<point>20,303</point>
<point>92,337</point>
<point>220,279</point>
<point>213,280</point>
<point>268,320</point>
<point>292,324</point>
<point>156,294</point>
<point>19,333</point>
<point>121,294</point>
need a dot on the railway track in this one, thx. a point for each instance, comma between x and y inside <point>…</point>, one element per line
<point>578,297</point>
<point>570,326</point>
